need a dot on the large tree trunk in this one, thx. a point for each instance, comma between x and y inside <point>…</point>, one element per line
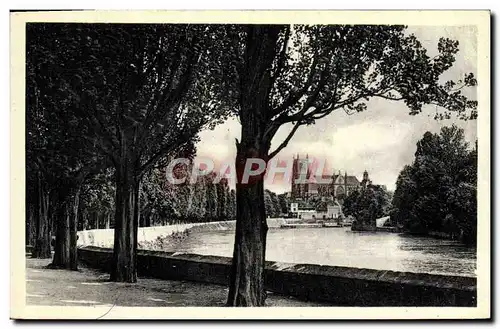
<point>42,244</point>
<point>30,225</point>
<point>148,219</point>
<point>108,220</point>
<point>145,216</point>
<point>83,218</point>
<point>123,268</point>
<point>65,253</point>
<point>96,220</point>
<point>73,230</point>
<point>246,287</point>
<point>61,248</point>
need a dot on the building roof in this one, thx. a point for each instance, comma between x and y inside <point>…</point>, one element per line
<point>351,180</point>
<point>313,181</point>
<point>317,178</point>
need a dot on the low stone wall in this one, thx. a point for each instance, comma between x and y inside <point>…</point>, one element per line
<point>105,237</point>
<point>333,285</point>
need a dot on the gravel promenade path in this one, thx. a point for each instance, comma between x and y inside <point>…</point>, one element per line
<point>88,287</point>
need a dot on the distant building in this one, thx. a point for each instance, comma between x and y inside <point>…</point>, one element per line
<point>366,180</point>
<point>336,186</point>
<point>301,211</point>
<point>333,210</point>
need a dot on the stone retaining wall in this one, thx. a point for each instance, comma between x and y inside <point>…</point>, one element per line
<point>333,285</point>
<point>105,237</point>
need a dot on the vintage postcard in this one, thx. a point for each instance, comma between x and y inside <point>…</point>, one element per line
<point>250,165</point>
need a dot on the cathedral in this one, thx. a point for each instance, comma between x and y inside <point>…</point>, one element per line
<point>306,185</point>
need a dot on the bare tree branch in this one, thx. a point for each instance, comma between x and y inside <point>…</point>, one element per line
<point>297,95</point>
<point>282,56</point>
<point>286,141</point>
<point>170,98</point>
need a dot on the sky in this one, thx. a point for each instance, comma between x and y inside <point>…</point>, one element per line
<point>381,139</point>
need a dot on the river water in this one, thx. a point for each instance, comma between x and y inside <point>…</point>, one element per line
<point>342,247</point>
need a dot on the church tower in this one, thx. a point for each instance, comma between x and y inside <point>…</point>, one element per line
<point>345,184</point>
<point>295,174</point>
<point>366,180</point>
<point>300,177</point>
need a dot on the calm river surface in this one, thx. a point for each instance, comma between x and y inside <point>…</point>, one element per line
<point>342,247</point>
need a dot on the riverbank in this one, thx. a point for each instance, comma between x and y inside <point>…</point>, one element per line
<point>89,287</point>
<point>440,236</point>
<point>105,237</point>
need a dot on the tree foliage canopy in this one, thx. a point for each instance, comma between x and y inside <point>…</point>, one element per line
<point>150,86</point>
<point>438,191</point>
<point>367,204</point>
<point>303,73</point>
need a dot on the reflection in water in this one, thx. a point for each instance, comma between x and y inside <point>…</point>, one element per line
<point>342,247</point>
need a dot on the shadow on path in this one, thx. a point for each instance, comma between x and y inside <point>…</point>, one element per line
<point>87,287</point>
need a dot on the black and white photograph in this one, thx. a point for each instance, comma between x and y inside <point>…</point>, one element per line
<point>171,164</point>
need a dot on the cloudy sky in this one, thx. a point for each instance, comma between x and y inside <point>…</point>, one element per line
<point>381,140</point>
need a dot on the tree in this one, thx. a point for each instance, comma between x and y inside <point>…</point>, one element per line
<point>298,74</point>
<point>366,205</point>
<point>97,201</point>
<point>164,203</point>
<point>283,203</point>
<point>404,196</point>
<point>438,191</point>
<point>275,205</point>
<point>350,205</point>
<point>58,158</point>
<point>154,199</point>
<point>211,197</point>
<point>231,212</point>
<point>140,92</point>
<point>37,177</point>
<point>271,204</point>
<point>223,197</point>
